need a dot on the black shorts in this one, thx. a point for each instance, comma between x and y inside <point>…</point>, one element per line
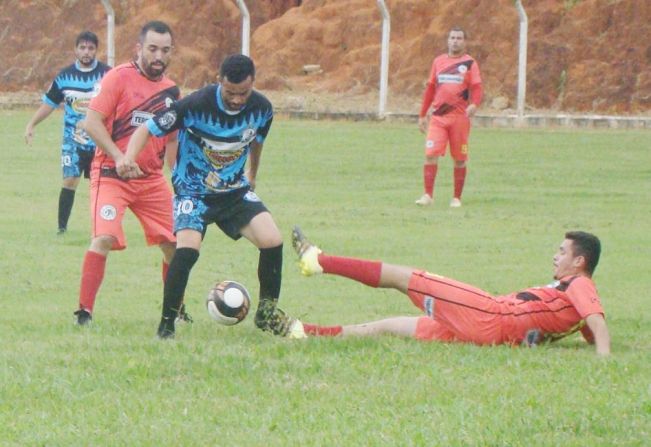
<point>231,211</point>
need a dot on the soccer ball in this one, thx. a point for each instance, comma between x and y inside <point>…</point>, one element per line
<point>228,302</point>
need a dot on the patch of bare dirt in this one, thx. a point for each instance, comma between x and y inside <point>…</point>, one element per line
<point>587,56</point>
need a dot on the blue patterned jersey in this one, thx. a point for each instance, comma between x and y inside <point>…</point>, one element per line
<point>74,87</point>
<point>213,142</point>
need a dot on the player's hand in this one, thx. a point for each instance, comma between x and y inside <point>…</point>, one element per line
<point>470,110</point>
<point>29,135</point>
<point>127,168</point>
<point>422,124</point>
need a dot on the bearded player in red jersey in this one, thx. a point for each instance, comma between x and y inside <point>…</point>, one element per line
<point>458,312</point>
<point>453,92</point>
<point>129,95</point>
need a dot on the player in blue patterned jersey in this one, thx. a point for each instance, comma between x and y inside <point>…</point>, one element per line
<point>219,128</point>
<point>73,87</point>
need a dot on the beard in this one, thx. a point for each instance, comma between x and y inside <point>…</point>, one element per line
<point>153,69</point>
<point>86,61</point>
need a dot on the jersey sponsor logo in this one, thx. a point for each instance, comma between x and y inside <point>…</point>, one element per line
<point>77,100</point>
<point>445,78</point>
<point>223,153</point>
<point>167,120</point>
<point>251,197</point>
<point>108,212</point>
<point>139,117</point>
<point>428,305</point>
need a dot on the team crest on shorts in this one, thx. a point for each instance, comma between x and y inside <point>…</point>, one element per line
<point>251,197</point>
<point>108,212</point>
<point>429,144</point>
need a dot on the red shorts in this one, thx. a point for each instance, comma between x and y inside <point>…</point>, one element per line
<point>428,329</point>
<point>467,313</point>
<point>149,198</point>
<point>453,129</point>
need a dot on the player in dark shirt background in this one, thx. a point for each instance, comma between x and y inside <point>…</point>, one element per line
<point>74,86</point>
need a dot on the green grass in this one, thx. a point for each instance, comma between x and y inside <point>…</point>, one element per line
<point>351,186</point>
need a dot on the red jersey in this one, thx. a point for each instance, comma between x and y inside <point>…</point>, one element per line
<point>474,315</point>
<point>556,310</point>
<point>127,99</point>
<point>453,83</point>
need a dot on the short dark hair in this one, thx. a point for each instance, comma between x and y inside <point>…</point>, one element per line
<point>87,36</point>
<point>586,245</point>
<point>458,28</point>
<point>236,68</point>
<point>156,26</point>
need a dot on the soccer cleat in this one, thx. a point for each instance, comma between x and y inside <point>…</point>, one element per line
<point>455,202</point>
<point>183,316</point>
<point>83,317</point>
<point>296,331</point>
<point>425,200</point>
<point>308,254</point>
<point>166,329</point>
<point>61,231</point>
<point>270,318</point>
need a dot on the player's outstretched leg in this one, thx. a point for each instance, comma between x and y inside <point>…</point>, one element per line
<point>308,253</point>
<point>269,317</point>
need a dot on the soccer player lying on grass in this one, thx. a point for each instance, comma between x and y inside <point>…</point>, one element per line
<point>463,313</point>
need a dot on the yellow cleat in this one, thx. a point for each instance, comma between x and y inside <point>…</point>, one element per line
<point>308,254</point>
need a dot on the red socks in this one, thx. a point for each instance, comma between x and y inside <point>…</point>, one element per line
<point>321,331</point>
<point>92,274</point>
<point>362,270</point>
<point>429,176</point>
<point>459,181</point>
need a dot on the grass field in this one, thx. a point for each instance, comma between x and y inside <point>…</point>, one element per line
<point>351,187</point>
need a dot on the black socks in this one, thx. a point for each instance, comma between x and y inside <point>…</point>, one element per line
<point>177,279</point>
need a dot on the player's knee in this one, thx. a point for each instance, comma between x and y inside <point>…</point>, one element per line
<point>102,244</point>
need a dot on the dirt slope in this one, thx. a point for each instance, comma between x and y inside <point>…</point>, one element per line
<point>584,55</point>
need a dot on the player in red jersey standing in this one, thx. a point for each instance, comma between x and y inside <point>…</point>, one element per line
<point>453,93</point>
<point>129,95</point>
<point>463,313</point>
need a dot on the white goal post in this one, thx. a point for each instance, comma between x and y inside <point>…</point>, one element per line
<point>110,32</point>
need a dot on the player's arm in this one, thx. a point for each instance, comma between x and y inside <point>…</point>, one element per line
<point>165,122</point>
<point>476,94</point>
<point>597,325</point>
<point>171,150</point>
<point>127,166</point>
<point>428,96</point>
<point>255,152</point>
<point>94,126</point>
<point>43,112</point>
